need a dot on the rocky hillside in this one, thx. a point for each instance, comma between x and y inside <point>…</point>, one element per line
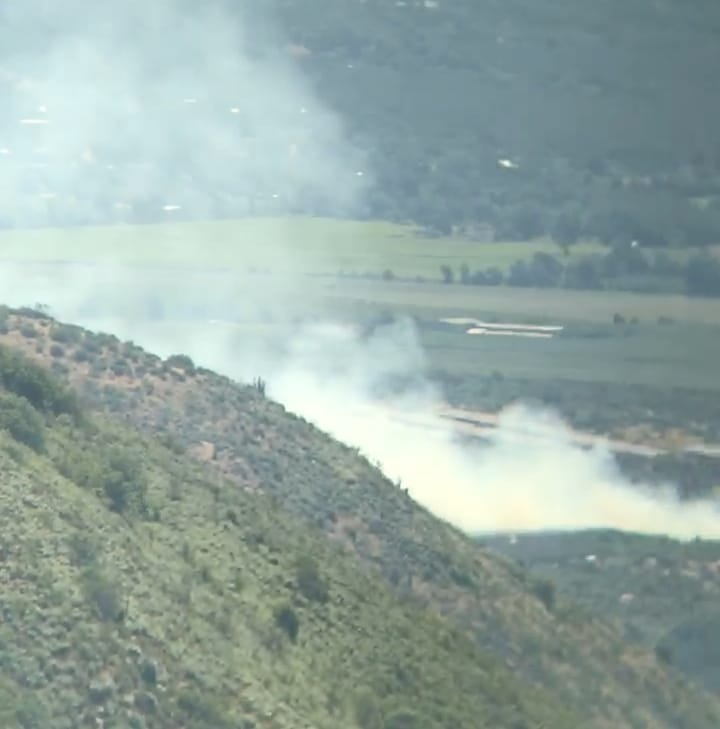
<point>263,470</point>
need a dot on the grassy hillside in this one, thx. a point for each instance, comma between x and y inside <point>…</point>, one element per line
<point>661,592</point>
<point>140,590</point>
<point>256,461</point>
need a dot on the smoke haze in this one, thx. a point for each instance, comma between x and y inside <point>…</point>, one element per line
<point>182,109</point>
<point>160,110</point>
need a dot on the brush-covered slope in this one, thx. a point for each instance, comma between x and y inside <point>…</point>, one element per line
<point>137,589</point>
<point>244,439</point>
<point>663,593</point>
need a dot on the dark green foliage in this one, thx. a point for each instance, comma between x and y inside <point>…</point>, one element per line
<point>181,362</point>
<point>121,367</point>
<point>544,590</point>
<point>201,711</point>
<point>693,647</point>
<point>38,312</point>
<point>448,276</point>
<point>113,470</point>
<point>66,334</point>
<point>104,594</point>
<point>309,580</point>
<point>148,672</point>
<point>404,719</point>
<point>33,382</point>
<point>286,618</point>
<point>122,478</point>
<point>670,589</point>
<point>366,710</point>
<point>702,276</point>
<point>21,420</point>
<point>28,331</point>
<point>83,548</point>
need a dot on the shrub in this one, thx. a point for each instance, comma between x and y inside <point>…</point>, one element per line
<point>181,362</point>
<point>22,421</point>
<point>57,351</point>
<point>103,594</point>
<point>544,590</point>
<point>309,581</point>
<point>201,711</point>
<point>286,619</point>
<point>35,383</point>
<point>366,711</point>
<point>83,548</point>
<point>123,480</point>
<point>403,719</point>
<point>66,334</point>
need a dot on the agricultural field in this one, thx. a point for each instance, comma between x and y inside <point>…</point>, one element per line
<point>620,359</point>
<point>305,245</point>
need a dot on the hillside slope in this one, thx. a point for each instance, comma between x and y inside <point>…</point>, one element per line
<point>663,593</point>
<point>253,443</point>
<point>139,590</point>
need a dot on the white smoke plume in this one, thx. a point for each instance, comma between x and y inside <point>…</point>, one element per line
<point>530,475</point>
<point>192,110</point>
<point>160,110</point>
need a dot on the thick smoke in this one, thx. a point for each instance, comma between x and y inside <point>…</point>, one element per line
<point>187,107</point>
<point>160,110</point>
<point>368,389</point>
<point>531,475</point>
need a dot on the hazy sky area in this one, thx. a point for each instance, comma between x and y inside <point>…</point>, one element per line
<point>204,112</point>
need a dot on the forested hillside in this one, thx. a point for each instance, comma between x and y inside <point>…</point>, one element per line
<point>569,117</point>
<point>496,118</point>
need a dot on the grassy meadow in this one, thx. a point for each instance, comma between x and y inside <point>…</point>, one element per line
<point>216,259</point>
<point>305,245</point>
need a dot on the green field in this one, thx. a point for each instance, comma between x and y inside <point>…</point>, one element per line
<point>307,245</point>
<point>527,304</point>
<point>214,282</point>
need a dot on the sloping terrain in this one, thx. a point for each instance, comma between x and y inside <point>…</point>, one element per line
<point>264,452</point>
<point>661,592</point>
<point>137,589</point>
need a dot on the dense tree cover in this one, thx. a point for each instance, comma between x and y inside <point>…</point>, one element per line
<point>574,118</point>
<point>510,118</point>
<point>623,267</point>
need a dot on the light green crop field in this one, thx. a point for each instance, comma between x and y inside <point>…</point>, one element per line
<point>525,305</point>
<point>306,245</point>
<point>221,253</point>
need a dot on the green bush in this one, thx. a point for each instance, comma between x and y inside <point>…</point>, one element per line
<point>28,331</point>
<point>403,719</point>
<point>309,581</point>
<point>201,711</point>
<point>66,334</point>
<point>122,479</point>
<point>181,362</point>
<point>103,594</point>
<point>22,421</point>
<point>286,619</point>
<point>544,590</point>
<point>366,711</point>
<point>35,383</point>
